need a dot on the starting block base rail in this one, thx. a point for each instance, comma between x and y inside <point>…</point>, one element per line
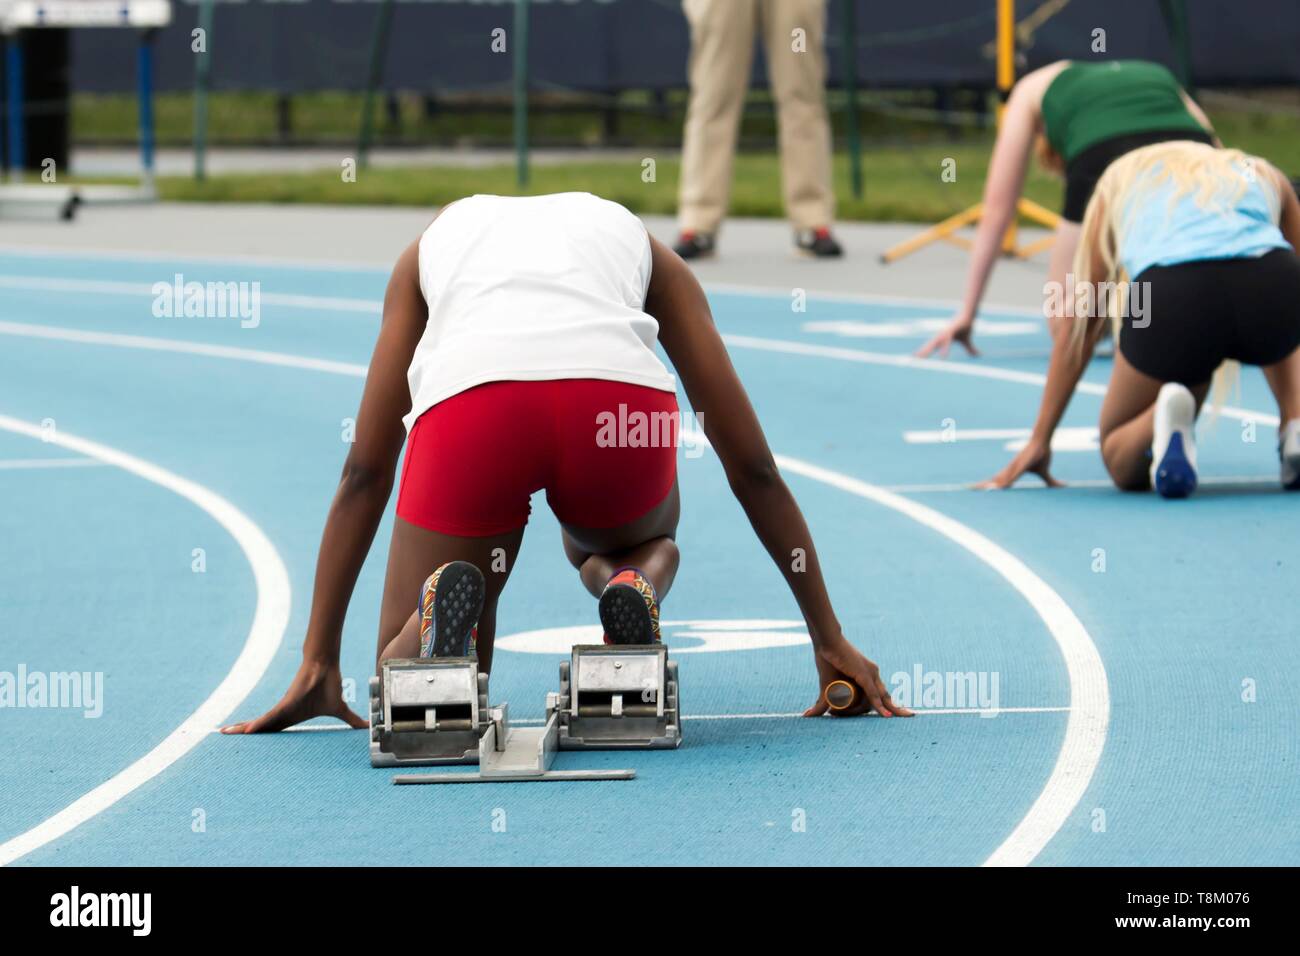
<point>436,712</point>
<point>555,776</point>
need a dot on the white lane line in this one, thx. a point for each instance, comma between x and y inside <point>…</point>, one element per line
<point>108,287</point>
<point>868,298</point>
<point>20,464</point>
<point>1085,730</point>
<point>920,712</point>
<point>1089,694</point>
<point>1227,480</point>
<point>917,328</point>
<point>923,711</point>
<point>270,618</point>
<point>942,366</point>
<point>1090,700</point>
<point>149,343</point>
<point>384,268</point>
<point>1064,439</point>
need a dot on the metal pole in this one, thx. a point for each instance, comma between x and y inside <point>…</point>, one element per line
<point>202,77</point>
<point>378,54</point>
<point>145,70</point>
<point>849,45</point>
<point>14,56</point>
<point>1006,80</point>
<point>520,41</point>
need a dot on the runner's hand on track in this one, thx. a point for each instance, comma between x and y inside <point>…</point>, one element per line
<point>842,661</point>
<point>1035,458</point>
<point>316,691</point>
<point>959,330</point>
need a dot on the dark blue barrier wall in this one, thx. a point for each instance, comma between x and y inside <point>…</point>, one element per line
<point>602,45</point>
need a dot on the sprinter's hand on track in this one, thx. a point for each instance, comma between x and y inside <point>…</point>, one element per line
<point>959,330</point>
<point>1035,458</point>
<point>842,661</point>
<point>316,691</point>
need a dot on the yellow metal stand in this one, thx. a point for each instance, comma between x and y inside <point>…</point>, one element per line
<point>947,230</point>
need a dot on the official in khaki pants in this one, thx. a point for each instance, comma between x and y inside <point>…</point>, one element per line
<point>722,47</point>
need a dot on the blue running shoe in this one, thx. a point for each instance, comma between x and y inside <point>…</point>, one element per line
<point>1173,448</point>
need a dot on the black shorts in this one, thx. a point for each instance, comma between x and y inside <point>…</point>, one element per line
<point>1083,172</point>
<point>1196,314</point>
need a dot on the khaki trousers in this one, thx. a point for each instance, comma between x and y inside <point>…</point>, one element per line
<point>722,48</point>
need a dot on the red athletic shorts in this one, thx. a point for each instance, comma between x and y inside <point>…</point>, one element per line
<point>604,451</point>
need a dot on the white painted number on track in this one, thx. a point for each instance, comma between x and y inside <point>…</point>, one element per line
<point>713,636</point>
<point>914,328</point>
<point>1085,438</point>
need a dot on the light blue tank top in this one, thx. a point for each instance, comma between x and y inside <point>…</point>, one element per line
<point>1155,233</point>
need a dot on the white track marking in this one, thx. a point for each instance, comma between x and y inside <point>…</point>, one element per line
<point>920,712</point>
<point>868,298</point>
<point>1228,480</point>
<point>713,635</point>
<point>385,268</point>
<point>150,343</point>
<point>943,366</point>
<point>1085,438</point>
<point>1089,693</point>
<point>270,618</point>
<point>106,287</point>
<point>1090,702</point>
<point>918,328</point>
<point>1085,731</point>
<point>17,464</point>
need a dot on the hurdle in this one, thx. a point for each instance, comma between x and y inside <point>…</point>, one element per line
<point>19,16</point>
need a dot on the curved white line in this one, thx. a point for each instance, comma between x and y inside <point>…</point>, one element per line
<point>1089,709</point>
<point>1085,730</point>
<point>1089,694</point>
<point>970,369</point>
<point>270,618</point>
<point>110,287</point>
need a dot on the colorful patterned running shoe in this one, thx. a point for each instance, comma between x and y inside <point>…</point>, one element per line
<point>450,604</point>
<point>629,609</point>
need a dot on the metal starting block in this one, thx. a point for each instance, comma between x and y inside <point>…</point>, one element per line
<point>426,711</point>
<point>435,711</point>
<point>615,697</point>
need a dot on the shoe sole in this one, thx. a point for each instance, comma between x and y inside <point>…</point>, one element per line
<point>625,616</point>
<point>456,608</point>
<point>1175,478</point>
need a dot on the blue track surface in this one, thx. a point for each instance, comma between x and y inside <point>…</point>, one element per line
<point>1193,605</point>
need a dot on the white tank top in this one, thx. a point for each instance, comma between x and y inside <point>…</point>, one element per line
<point>533,288</point>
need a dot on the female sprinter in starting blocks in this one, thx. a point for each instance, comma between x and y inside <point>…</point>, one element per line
<point>515,332</point>
<point>1204,239</point>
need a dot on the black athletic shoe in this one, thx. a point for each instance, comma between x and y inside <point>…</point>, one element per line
<point>450,604</point>
<point>629,609</point>
<point>818,243</point>
<point>694,245</point>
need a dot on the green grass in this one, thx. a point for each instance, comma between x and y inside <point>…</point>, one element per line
<point>901,184</point>
<point>902,160</point>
